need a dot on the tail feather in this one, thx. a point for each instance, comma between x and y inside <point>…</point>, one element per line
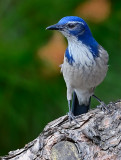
<point>79,109</point>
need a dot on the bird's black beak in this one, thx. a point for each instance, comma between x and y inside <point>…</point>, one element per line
<point>55,27</point>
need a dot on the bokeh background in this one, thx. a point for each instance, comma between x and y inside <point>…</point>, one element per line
<point>32,90</point>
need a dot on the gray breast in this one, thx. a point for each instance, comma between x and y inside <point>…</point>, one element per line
<point>86,75</point>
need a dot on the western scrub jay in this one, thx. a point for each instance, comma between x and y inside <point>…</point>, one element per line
<point>85,63</point>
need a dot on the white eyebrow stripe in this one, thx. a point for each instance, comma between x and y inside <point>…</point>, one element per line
<point>75,22</point>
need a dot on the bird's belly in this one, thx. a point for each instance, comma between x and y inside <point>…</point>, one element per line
<point>83,77</point>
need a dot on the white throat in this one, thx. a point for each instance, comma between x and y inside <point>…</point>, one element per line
<point>80,52</point>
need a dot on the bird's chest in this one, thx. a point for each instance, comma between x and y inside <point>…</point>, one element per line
<point>78,54</point>
<point>85,70</point>
<point>78,60</point>
<point>77,74</point>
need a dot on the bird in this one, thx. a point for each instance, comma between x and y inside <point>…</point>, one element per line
<point>85,63</point>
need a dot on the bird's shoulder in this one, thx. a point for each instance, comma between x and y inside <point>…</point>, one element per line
<point>103,53</point>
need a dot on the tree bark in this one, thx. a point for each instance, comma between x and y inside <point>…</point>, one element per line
<point>96,137</point>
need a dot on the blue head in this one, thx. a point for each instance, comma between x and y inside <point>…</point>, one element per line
<point>74,27</point>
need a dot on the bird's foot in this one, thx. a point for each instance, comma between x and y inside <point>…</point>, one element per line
<point>72,117</point>
<point>70,114</point>
<point>102,106</point>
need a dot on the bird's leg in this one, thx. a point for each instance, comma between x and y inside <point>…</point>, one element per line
<point>102,106</point>
<point>70,114</point>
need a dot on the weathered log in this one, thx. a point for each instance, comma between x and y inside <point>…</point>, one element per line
<point>96,137</point>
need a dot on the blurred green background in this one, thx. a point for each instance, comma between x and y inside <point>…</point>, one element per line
<point>32,90</point>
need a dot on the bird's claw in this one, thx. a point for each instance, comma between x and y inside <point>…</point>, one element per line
<point>72,117</point>
<point>102,106</point>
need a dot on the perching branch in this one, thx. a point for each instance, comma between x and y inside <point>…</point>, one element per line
<point>97,137</point>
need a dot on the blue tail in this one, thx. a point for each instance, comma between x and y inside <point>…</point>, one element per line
<point>79,109</point>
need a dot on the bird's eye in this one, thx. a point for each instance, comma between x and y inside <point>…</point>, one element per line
<point>71,25</point>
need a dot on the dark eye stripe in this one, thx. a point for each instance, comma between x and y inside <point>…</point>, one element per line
<point>71,25</point>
